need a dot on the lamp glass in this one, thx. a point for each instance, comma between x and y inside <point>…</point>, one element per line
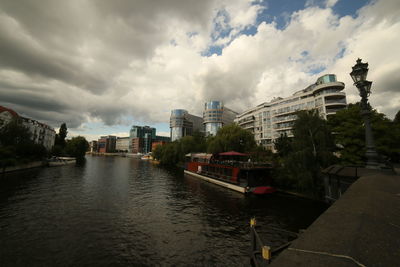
<point>359,72</point>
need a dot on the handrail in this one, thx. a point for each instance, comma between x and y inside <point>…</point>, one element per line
<point>261,254</point>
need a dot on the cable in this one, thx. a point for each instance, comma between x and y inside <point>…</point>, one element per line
<point>329,254</point>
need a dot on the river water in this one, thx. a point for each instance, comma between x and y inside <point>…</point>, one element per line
<point>115,211</point>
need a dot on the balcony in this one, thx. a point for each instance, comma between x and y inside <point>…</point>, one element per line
<point>330,111</point>
<point>336,101</point>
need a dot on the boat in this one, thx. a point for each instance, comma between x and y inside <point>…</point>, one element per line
<point>147,157</point>
<point>60,161</point>
<point>232,170</point>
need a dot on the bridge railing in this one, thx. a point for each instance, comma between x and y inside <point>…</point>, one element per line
<point>262,254</point>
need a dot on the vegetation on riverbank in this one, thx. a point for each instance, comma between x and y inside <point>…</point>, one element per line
<point>17,146</point>
<point>229,137</point>
<point>299,160</point>
<point>75,147</point>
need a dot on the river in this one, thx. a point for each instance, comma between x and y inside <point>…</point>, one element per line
<point>115,211</point>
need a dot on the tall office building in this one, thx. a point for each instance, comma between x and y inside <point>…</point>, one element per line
<point>215,116</point>
<point>269,120</point>
<point>106,144</point>
<point>140,138</point>
<point>182,123</point>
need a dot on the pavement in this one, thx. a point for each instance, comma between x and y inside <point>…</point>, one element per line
<point>362,228</point>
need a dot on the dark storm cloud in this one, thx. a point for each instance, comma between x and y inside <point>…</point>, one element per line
<point>22,56</point>
<point>84,44</point>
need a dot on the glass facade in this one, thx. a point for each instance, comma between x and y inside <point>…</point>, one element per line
<point>177,123</point>
<point>182,123</point>
<point>212,116</point>
<point>176,133</point>
<point>212,127</point>
<point>329,78</point>
<point>145,134</point>
<point>213,105</point>
<point>215,116</point>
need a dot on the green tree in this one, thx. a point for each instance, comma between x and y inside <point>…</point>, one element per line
<point>77,147</point>
<point>62,134</point>
<point>311,150</point>
<point>283,145</point>
<point>349,133</point>
<point>397,118</point>
<point>16,145</point>
<point>231,137</point>
<point>14,134</point>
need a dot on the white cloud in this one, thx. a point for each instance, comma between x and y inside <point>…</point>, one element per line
<point>141,60</point>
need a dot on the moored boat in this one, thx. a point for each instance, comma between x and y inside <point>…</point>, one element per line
<point>60,161</point>
<point>231,170</point>
<point>147,157</point>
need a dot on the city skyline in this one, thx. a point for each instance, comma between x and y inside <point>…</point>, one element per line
<point>102,67</point>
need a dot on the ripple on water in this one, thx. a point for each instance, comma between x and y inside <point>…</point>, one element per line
<point>121,211</point>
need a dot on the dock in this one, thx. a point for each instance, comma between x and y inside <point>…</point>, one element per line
<point>362,228</point>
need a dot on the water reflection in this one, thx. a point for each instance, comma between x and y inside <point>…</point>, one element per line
<point>124,211</point>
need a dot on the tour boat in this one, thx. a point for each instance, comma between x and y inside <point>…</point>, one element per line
<point>231,170</point>
<point>60,161</point>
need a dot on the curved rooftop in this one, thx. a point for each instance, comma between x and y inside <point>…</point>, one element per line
<point>2,109</point>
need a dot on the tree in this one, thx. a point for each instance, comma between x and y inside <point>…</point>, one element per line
<point>14,134</point>
<point>77,147</point>
<point>17,146</point>
<point>310,150</point>
<point>397,118</point>
<point>62,134</point>
<point>231,137</point>
<point>283,145</point>
<point>349,134</point>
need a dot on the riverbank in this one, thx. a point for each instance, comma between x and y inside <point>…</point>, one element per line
<point>25,166</point>
<point>361,228</point>
<point>116,154</point>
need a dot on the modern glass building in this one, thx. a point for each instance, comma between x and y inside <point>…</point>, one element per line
<point>270,120</point>
<point>182,123</point>
<point>216,115</point>
<point>143,135</point>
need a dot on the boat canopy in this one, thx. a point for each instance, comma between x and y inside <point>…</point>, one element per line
<point>200,157</point>
<point>232,153</point>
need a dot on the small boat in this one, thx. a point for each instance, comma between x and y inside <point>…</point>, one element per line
<point>147,157</point>
<point>231,170</point>
<point>60,161</point>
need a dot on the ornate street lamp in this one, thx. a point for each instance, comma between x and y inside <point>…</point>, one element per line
<point>359,76</point>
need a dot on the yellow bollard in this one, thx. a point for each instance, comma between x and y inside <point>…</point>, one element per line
<point>253,222</point>
<point>266,252</point>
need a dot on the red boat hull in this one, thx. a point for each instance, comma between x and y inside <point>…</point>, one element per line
<point>263,190</point>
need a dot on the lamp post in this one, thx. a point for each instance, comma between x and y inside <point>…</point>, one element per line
<point>359,76</point>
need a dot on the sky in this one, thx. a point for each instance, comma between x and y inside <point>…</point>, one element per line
<point>102,66</point>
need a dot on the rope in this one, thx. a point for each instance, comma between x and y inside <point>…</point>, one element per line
<point>329,254</point>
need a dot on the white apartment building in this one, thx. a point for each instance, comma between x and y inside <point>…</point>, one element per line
<point>40,132</point>
<point>269,120</point>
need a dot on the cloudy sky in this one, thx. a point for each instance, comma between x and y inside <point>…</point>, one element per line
<point>101,66</point>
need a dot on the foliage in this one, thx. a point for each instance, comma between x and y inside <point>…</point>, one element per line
<point>14,134</point>
<point>16,145</point>
<point>60,137</point>
<point>261,154</point>
<point>397,118</point>
<point>77,147</point>
<point>283,145</point>
<point>231,138</point>
<point>349,134</point>
<point>303,158</point>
